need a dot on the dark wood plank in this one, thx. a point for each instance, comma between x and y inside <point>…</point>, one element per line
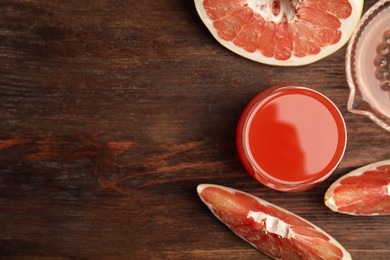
<point>112,112</point>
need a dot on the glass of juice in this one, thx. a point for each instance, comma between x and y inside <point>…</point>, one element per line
<point>291,138</point>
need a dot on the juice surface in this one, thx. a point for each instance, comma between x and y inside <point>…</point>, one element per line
<point>295,136</point>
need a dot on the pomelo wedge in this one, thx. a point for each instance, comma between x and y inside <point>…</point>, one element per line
<point>364,191</point>
<point>269,228</point>
<point>281,32</point>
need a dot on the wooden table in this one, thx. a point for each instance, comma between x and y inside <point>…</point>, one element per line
<point>112,112</point>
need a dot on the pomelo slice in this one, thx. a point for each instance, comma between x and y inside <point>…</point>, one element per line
<point>364,191</point>
<point>281,32</point>
<point>269,228</point>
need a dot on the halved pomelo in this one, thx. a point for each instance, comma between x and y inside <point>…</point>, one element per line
<point>364,191</point>
<point>269,228</point>
<point>281,32</point>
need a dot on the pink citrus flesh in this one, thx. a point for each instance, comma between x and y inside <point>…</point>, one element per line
<point>269,228</point>
<point>364,191</point>
<point>279,32</point>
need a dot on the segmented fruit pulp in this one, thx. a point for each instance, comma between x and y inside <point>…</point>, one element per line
<point>364,191</point>
<point>291,138</point>
<point>373,187</point>
<point>271,229</point>
<point>278,28</point>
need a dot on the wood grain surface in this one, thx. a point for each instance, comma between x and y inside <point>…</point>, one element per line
<point>112,112</point>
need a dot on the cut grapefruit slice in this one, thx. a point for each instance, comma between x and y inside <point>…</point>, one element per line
<point>269,228</point>
<point>364,191</point>
<point>281,32</point>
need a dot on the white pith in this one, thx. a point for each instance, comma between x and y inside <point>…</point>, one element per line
<point>264,8</point>
<point>329,202</point>
<point>359,171</point>
<point>287,8</point>
<point>273,225</point>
